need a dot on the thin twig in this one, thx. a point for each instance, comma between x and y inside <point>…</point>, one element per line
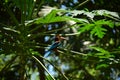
<point>70,34</point>
<point>59,29</point>
<point>74,52</point>
<point>81,4</point>
<point>43,33</point>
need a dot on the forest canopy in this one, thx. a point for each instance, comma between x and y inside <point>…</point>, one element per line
<point>87,48</point>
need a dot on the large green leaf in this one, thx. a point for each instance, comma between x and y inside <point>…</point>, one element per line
<point>97,28</point>
<point>51,18</point>
<point>104,22</point>
<point>98,31</point>
<point>86,27</point>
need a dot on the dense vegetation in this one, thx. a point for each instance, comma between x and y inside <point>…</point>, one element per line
<point>27,29</point>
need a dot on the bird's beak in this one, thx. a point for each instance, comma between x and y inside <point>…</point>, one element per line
<point>63,38</point>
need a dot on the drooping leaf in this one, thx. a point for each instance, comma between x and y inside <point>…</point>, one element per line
<point>50,18</point>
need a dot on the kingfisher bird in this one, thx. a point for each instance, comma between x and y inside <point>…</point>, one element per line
<point>56,44</point>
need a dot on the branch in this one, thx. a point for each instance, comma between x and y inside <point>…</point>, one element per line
<point>70,34</point>
<point>75,52</point>
<point>43,67</point>
<point>82,4</point>
<point>55,68</point>
<point>8,64</point>
<point>46,33</point>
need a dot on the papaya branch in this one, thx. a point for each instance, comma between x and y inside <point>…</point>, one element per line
<point>55,67</point>
<point>61,50</point>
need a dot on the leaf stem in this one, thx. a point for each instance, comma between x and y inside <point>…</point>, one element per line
<point>43,67</point>
<point>55,68</point>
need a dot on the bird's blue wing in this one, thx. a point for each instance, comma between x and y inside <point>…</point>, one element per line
<point>54,45</point>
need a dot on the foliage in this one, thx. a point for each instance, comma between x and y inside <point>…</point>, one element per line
<point>91,53</point>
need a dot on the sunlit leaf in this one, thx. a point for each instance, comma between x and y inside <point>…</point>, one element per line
<point>89,14</point>
<point>51,18</point>
<point>86,27</point>
<point>45,11</point>
<point>105,22</point>
<point>98,31</point>
<point>77,12</point>
<point>106,12</point>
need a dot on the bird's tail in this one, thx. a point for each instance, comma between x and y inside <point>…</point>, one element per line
<point>47,53</point>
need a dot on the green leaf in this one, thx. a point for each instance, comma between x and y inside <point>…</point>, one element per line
<point>87,27</point>
<point>102,66</point>
<point>104,22</point>
<point>96,27</point>
<point>51,18</point>
<point>78,20</point>
<point>98,31</point>
<point>51,15</point>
